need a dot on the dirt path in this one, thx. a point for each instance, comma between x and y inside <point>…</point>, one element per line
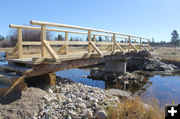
<point>21,105</point>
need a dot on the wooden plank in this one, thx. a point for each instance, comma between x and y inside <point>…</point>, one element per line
<point>140,44</point>
<point>43,38</point>
<point>133,47</point>
<point>113,40</point>
<point>6,78</point>
<point>20,52</point>
<point>64,65</point>
<point>119,47</point>
<point>31,43</point>
<point>129,41</point>
<point>144,47</point>
<point>17,69</point>
<point>97,50</point>
<point>15,49</point>
<point>61,49</point>
<point>19,80</point>
<point>68,42</point>
<point>66,46</point>
<point>74,43</point>
<point>79,28</point>
<point>23,60</point>
<point>51,51</point>
<point>89,40</point>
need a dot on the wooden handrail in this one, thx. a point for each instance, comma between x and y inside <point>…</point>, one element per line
<point>80,28</point>
<point>60,30</point>
<point>91,44</point>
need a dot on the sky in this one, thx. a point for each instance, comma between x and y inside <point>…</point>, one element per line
<point>146,18</point>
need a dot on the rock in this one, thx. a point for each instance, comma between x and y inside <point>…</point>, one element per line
<point>97,73</point>
<point>148,63</point>
<point>47,98</point>
<point>50,91</point>
<point>120,93</point>
<point>98,108</point>
<point>93,100</point>
<point>78,100</point>
<point>101,115</point>
<point>88,113</point>
<point>82,105</point>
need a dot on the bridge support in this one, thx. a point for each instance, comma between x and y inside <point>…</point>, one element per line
<point>116,66</point>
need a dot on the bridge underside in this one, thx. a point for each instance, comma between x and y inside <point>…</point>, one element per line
<point>43,66</point>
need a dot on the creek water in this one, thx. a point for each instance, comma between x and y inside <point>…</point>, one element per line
<point>164,88</point>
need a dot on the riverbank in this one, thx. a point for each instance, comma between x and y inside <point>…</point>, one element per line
<point>67,100</point>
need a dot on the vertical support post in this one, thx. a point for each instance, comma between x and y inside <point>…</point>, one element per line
<point>129,41</point>
<point>114,40</point>
<point>66,46</point>
<point>43,38</point>
<point>89,39</point>
<point>20,52</point>
<point>125,44</point>
<point>148,44</point>
<point>94,39</point>
<point>140,44</point>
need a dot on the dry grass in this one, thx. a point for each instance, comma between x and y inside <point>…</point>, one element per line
<point>169,53</point>
<point>135,109</point>
<point>6,49</point>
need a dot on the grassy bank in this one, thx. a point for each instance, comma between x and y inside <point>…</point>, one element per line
<point>136,109</point>
<point>169,55</point>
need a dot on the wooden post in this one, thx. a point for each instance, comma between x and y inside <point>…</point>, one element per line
<point>94,39</point>
<point>129,41</point>
<point>20,52</point>
<point>148,44</point>
<point>140,44</point>
<point>66,46</point>
<point>126,44</point>
<point>43,38</point>
<point>89,39</point>
<point>114,40</point>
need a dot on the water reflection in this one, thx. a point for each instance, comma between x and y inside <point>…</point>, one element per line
<point>76,75</point>
<point>165,88</point>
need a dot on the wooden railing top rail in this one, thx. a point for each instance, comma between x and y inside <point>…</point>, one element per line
<point>92,44</point>
<point>60,30</point>
<point>80,28</point>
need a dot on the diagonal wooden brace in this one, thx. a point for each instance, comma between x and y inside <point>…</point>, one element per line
<point>62,48</point>
<point>133,46</point>
<point>50,50</point>
<point>144,47</point>
<point>94,46</point>
<point>119,47</point>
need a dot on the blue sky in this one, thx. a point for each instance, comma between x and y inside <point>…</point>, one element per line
<point>147,18</point>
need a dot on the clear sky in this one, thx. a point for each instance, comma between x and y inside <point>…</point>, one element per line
<point>147,18</point>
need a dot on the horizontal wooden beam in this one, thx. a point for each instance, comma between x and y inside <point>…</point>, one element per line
<point>69,31</point>
<point>75,43</point>
<point>48,29</point>
<point>79,28</point>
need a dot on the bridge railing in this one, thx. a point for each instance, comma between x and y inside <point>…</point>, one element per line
<point>91,44</point>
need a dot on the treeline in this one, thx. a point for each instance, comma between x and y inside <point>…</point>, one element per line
<point>27,35</point>
<point>33,35</point>
<point>175,41</point>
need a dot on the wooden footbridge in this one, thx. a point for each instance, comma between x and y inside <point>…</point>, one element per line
<point>45,57</point>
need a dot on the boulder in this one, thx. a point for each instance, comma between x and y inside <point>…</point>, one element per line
<point>101,115</point>
<point>88,113</point>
